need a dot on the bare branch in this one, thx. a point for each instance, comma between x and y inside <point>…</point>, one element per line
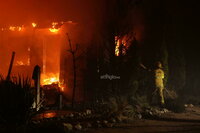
<point>70,44</point>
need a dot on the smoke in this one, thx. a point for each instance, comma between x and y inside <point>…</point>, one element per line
<point>21,11</point>
<point>44,12</point>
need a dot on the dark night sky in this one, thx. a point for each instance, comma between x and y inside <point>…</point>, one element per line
<point>190,32</point>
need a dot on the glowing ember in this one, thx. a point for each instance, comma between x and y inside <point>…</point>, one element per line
<point>49,115</point>
<point>34,25</point>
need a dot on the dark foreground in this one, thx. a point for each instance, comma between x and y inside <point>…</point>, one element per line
<point>186,122</point>
<point>56,121</point>
<point>152,126</point>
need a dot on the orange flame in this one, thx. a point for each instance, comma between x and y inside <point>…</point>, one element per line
<point>54,29</point>
<point>12,28</point>
<point>19,28</point>
<point>16,28</point>
<point>50,78</point>
<point>62,87</point>
<point>120,41</point>
<point>34,25</point>
<point>117,44</point>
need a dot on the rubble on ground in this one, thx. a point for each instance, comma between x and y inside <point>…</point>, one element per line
<point>188,105</point>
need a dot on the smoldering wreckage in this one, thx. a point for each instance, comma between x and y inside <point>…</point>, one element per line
<point>119,68</point>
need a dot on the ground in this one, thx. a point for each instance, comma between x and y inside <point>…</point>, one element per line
<point>187,121</point>
<point>152,126</point>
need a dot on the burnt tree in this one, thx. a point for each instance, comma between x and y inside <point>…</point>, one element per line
<point>73,53</point>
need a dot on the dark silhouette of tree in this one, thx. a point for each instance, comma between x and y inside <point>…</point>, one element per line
<point>16,100</point>
<point>73,52</point>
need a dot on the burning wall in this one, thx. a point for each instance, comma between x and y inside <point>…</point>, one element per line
<point>32,47</point>
<point>47,47</point>
<point>41,44</point>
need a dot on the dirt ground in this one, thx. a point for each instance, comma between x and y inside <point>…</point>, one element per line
<point>152,126</point>
<point>186,122</point>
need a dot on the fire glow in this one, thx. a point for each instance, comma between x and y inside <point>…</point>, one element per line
<point>48,79</point>
<point>13,28</point>
<point>117,44</point>
<point>121,44</point>
<point>54,29</point>
<point>34,25</point>
<point>21,63</point>
<point>38,46</point>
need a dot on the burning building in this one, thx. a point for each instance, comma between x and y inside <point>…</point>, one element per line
<point>45,45</point>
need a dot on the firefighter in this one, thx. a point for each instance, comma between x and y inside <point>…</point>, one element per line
<point>157,80</point>
<point>159,86</point>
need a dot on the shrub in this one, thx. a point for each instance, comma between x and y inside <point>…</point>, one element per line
<point>16,99</point>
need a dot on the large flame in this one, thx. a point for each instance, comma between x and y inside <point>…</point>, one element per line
<point>50,78</point>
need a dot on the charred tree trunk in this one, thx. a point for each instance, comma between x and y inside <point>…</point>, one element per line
<point>74,85</point>
<point>11,65</point>
<point>73,52</point>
